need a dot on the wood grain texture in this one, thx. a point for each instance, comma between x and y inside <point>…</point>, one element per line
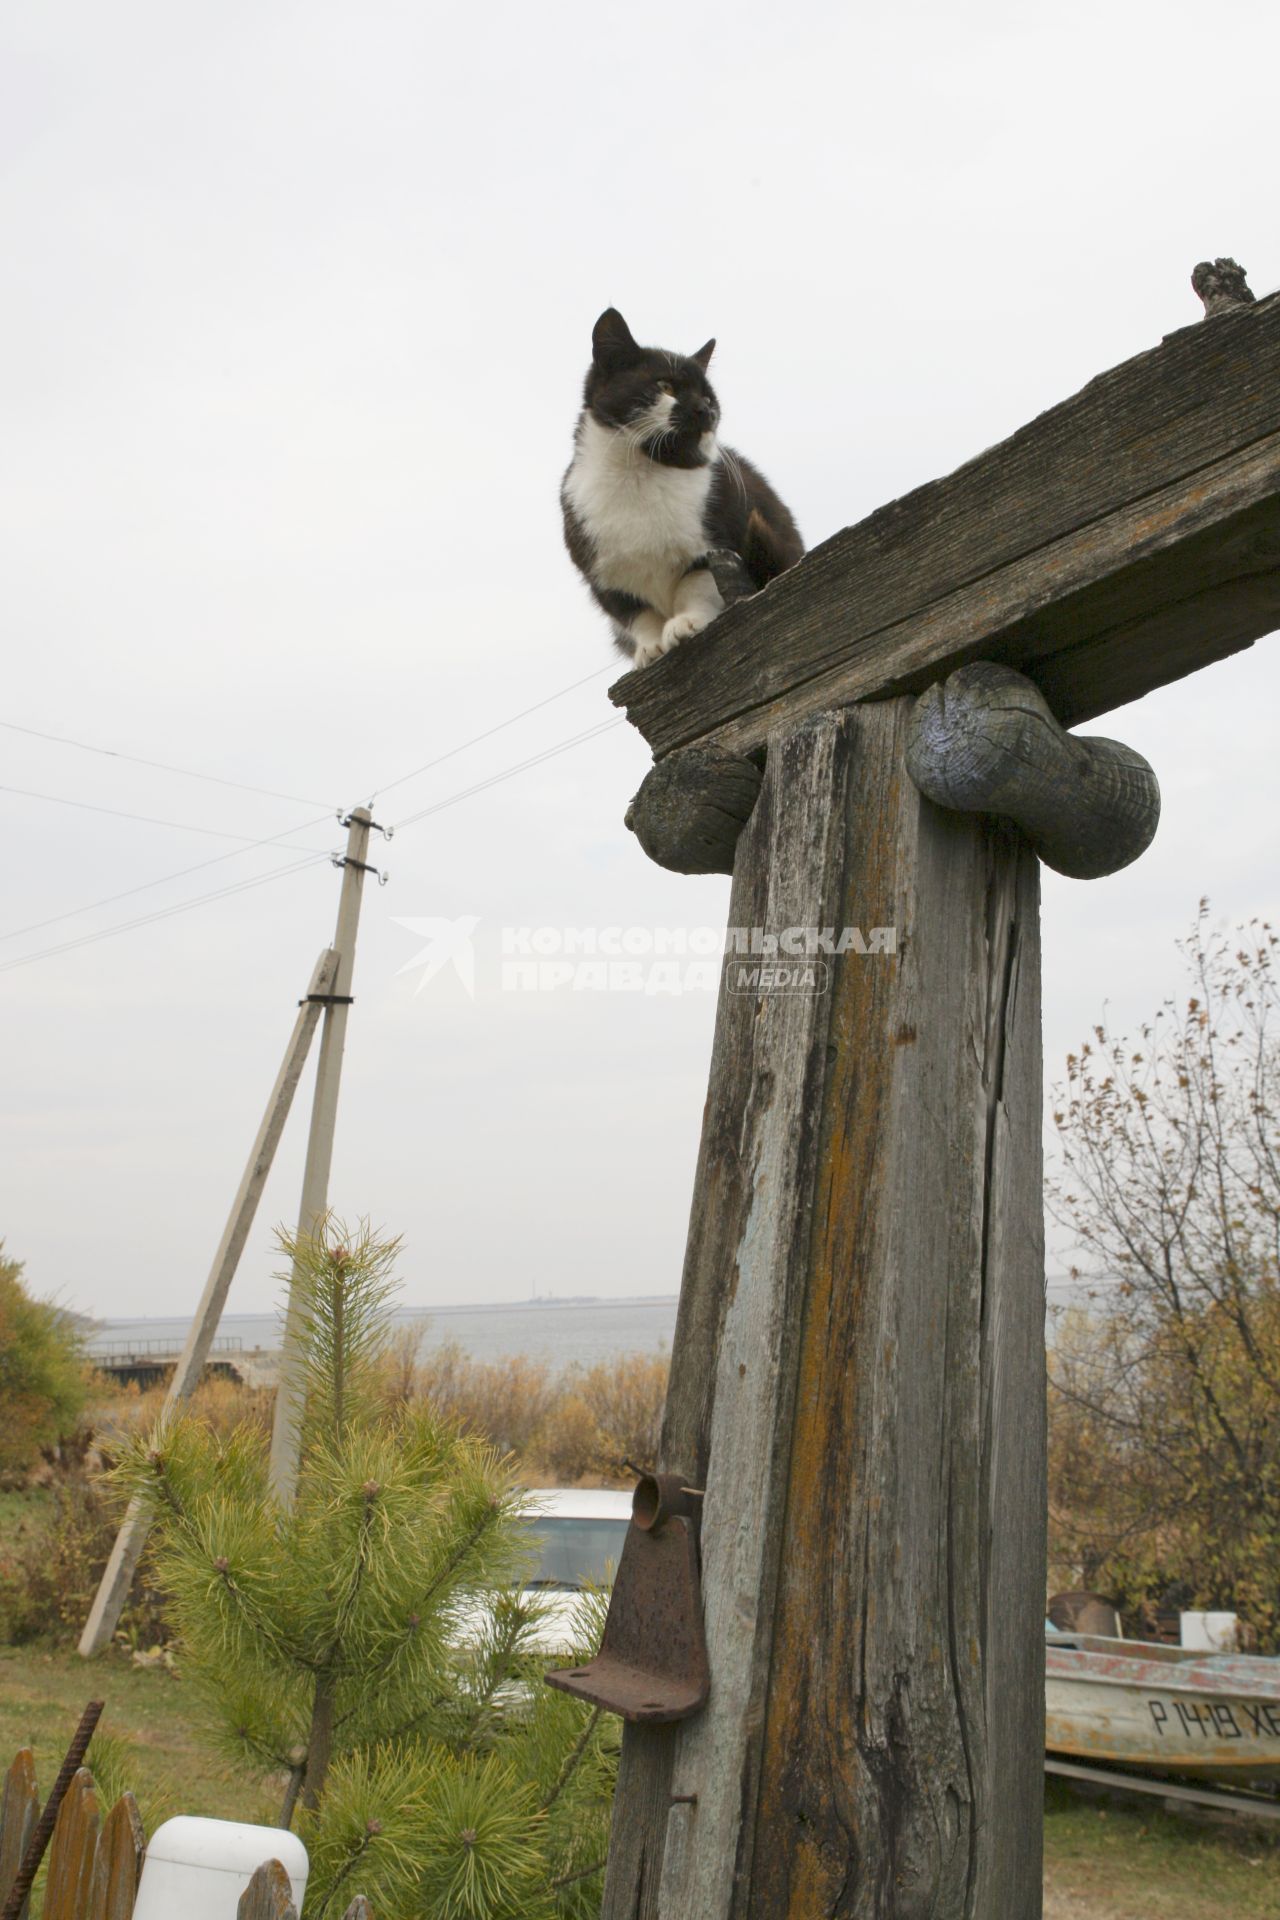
<point>268,1895</point>
<point>1123,539</point>
<point>859,1361</point>
<point>721,1196</point>
<point>692,806</point>
<point>984,741</point>
<point>798,840</point>
<point>117,1863</point>
<point>69,1885</point>
<point>19,1810</point>
<point>900,1773</point>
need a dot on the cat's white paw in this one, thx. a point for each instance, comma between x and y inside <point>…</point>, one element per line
<point>682,626</point>
<point>647,651</point>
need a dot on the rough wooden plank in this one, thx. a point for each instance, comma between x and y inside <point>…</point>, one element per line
<point>919,1568</point>
<point>268,1895</point>
<point>117,1864</point>
<point>19,1808</point>
<point>359,1909</point>
<point>721,1194</point>
<point>797,838</point>
<point>1060,552</point>
<point>866,1272</point>
<point>71,1853</point>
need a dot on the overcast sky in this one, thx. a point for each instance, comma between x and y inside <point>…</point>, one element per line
<point>297,301</point>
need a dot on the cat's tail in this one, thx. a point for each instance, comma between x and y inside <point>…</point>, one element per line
<point>768,551</point>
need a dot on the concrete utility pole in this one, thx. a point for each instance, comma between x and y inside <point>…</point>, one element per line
<point>113,1590</point>
<point>315,1178</point>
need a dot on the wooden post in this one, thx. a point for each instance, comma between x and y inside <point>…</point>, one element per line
<point>19,1811</point>
<point>268,1895</point>
<point>858,1372</point>
<point>71,1855</point>
<point>117,1578</point>
<point>324,1118</point>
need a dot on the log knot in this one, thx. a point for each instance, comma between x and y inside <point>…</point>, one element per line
<point>986,741</point>
<point>692,806</point>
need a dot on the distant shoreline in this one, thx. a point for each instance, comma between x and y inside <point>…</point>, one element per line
<point>545,1303</point>
<point>554,1330</point>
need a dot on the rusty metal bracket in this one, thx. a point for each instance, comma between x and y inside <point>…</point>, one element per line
<point>652,1663</point>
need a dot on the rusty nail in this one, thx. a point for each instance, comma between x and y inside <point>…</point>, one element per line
<point>684,1799</point>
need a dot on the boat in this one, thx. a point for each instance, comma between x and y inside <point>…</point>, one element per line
<point>1162,1709</point>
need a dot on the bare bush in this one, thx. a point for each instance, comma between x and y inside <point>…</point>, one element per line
<point>1165,1398</point>
<point>582,1423</point>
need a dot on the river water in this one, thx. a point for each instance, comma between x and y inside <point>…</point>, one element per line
<point>563,1332</point>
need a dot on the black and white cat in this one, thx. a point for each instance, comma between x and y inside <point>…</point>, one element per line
<point>650,490</point>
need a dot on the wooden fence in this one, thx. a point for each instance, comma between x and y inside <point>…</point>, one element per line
<point>95,1864</point>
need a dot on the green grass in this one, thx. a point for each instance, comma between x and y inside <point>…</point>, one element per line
<point>169,1762</point>
<point>1108,1860</point>
<point>1103,1861</point>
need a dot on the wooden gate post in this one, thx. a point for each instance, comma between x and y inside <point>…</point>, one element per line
<point>858,1372</point>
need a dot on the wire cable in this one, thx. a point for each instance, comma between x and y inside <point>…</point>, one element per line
<point>150,819</point>
<point>160,766</point>
<point>488,733</point>
<point>508,773</point>
<point>311,858</point>
<point>145,886</point>
<point>166,913</point>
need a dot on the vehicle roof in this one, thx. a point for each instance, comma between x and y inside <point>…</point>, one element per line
<point>581,1503</point>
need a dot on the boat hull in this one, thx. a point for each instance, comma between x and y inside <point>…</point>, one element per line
<point>1211,1719</point>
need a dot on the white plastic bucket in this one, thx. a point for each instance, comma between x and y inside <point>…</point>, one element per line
<point>197,1869</point>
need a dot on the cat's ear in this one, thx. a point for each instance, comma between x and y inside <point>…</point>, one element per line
<point>611,343</point>
<point>703,355</point>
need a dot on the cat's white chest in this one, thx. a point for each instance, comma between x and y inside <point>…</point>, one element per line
<point>645,521</point>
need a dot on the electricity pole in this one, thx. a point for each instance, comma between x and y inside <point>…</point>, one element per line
<point>328,996</point>
<point>315,1178</point>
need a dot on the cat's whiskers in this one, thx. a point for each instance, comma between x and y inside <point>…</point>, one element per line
<point>731,467</point>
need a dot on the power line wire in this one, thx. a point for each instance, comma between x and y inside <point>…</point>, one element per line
<point>498,728</point>
<point>150,819</point>
<point>127,893</point>
<point>165,913</point>
<point>160,766</point>
<point>495,779</point>
<point>243,886</point>
<point>508,773</point>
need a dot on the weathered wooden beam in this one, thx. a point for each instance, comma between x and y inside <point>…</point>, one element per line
<point>858,1370</point>
<point>1125,538</point>
<point>692,806</point>
<point>984,741</point>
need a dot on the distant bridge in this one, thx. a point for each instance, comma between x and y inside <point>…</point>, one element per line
<point>150,1362</point>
